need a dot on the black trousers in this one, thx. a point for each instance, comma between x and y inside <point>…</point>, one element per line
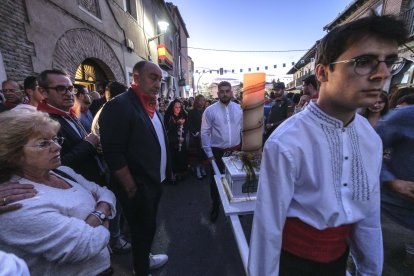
<point>293,265</point>
<point>215,196</point>
<point>141,213</point>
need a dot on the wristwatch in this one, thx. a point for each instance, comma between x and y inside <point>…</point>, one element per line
<point>99,215</point>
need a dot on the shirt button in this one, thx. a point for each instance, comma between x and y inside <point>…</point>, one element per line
<point>343,130</point>
<point>345,184</point>
<point>346,157</point>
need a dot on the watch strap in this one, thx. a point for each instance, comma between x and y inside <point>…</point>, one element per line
<point>99,215</point>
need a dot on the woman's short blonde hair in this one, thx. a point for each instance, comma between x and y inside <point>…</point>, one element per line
<point>16,129</point>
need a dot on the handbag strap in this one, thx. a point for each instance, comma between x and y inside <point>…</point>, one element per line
<point>65,175</point>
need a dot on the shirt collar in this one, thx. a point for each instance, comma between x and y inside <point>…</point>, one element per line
<point>324,118</point>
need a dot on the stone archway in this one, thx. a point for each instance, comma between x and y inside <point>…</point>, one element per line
<point>76,45</point>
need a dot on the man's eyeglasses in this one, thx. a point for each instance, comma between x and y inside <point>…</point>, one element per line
<point>61,89</point>
<point>48,143</point>
<point>365,65</point>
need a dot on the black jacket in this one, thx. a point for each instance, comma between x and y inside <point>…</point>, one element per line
<point>78,154</point>
<point>129,139</point>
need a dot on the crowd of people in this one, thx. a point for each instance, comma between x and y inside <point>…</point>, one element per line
<point>80,168</point>
<point>75,164</point>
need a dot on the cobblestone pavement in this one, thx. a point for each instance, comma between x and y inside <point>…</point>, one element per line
<point>197,247</point>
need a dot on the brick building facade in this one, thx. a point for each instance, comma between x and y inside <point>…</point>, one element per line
<point>92,40</point>
<point>16,49</point>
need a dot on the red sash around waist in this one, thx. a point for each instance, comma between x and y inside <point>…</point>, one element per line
<point>313,244</point>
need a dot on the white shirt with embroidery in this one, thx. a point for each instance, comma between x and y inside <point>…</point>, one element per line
<point>315,169</point>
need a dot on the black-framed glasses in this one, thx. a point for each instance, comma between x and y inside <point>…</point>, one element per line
<point>61,89</point>
<point>367,64</point>
<point>48,143</point>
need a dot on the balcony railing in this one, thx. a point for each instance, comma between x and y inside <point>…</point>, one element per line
<point>408,17</point>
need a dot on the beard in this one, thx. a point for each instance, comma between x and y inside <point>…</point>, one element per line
<point>225,100</point>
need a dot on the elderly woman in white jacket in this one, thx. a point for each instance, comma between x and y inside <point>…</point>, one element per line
<point>63,229</point>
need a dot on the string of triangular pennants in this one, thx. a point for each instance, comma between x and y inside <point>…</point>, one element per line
<point>222,71</point>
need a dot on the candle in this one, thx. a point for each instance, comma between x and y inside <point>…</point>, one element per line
<point>252,105</point>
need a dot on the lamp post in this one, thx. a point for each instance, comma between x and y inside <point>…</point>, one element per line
<point>205,70</point>
<point>198,81</point>
<point>163,26</point>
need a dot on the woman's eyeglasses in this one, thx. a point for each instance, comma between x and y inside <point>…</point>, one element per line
<point>48,143</point>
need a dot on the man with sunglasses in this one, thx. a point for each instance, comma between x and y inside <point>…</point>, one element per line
<point>319,194</point>
<point>80,149</point>
<point>13,94</point>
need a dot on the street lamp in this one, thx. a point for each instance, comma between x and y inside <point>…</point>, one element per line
<point>198,81</point>
<point>163,26</point>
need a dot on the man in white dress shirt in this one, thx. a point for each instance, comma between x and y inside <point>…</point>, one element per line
<point>220,133</point>
<point>319,195</point>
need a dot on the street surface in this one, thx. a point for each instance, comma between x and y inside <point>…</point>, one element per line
<point>197,247</point>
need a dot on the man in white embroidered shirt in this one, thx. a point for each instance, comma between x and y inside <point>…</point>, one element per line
<point>220,133</point>
<point>319,195</point>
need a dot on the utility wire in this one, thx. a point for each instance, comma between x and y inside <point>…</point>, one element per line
<point>245,51</point>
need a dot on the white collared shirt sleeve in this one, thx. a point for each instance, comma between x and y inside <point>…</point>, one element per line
<point>365,241</point>
<point>206,129</point>
<point>366,246</point>
<point>276,189</point>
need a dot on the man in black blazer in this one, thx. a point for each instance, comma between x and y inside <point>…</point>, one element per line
<point>79,150</point>
<point>134,144</point>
